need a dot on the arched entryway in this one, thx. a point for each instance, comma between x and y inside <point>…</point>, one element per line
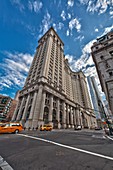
<point>54,120</point>
<point>45,116</point>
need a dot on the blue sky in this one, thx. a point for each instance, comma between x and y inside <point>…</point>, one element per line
<point>23,22</point>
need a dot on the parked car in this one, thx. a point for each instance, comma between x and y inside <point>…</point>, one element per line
<point>46,127</point>
<point>11,128</point>
<point>78,128</point>
<point>98,128</point>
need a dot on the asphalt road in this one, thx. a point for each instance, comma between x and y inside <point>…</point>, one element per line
<point>59,151</point>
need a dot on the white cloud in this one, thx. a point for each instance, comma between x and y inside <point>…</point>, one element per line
<point>35,6</point>
<point>46,22</point>
<point>84,61</point>
<point>111,12</point>
<point>67,32</point>
<point>55,26</point>
<point>80,37</point>
<point>60,25</point>
<point>96,29</point>
<point>18,4</point>
<point>99,6</point>
<point>83,1</point>
<point>107,29</point>
<point>15,67</point>
<point>63,15</point>
<point>74,23</point>
<point>69,16</point>
<point>70,3</point>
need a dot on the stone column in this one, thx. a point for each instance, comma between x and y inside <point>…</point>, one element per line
<point>40,120</point>
<point>58,114</point>
<point>25,110</point>
<point>29,122</point>
<point>91,122</point>
<point>20,109</point>
<point>64,116</point>
<point>67,115</point>
<point>37,107</point>
<point>50,110</point>
<point>74,117</point>
<point>71,117</point>
<point>15,112</point>
<point>77,116</point>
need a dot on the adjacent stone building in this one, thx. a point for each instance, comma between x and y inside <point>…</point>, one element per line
<point>53,93</point>
<point>102,53</point>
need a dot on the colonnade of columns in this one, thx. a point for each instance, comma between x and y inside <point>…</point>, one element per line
<point>70,115</point>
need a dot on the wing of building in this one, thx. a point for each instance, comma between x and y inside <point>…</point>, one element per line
<point>53,93</point>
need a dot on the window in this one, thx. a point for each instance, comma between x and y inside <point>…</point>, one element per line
<point>111,73</point>
<point>101,57</point>
<point>105,44</point>
<point>111,53</point>
<point>107,65</point>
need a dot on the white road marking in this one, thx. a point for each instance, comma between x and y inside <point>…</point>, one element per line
<point>109,138</point>
<point>69,147</point>
<point>4,165</point>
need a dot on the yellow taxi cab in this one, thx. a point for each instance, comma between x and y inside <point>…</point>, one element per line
<point>11,127</point>
<point>46,127</point>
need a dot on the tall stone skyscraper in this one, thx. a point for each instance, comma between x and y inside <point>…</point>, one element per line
<point>99,107</point>
<point>52,92</point>
<point>102,53</point>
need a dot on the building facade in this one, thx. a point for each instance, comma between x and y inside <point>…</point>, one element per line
<point>102,53</point>
<point>11,110</point>
<point>52,92</point>
<point>7,108</point>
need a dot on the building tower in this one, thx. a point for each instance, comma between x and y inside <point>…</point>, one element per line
<point>47,96</point>
<point>99,107</point>
<point>102,53</point>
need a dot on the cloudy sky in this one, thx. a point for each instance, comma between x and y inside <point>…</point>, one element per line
<point>23,22</point>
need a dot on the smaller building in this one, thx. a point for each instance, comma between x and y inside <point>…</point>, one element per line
<point>7,107</point>
<point>11,110</point>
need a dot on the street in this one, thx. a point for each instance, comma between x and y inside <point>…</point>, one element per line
<point>57,150</point>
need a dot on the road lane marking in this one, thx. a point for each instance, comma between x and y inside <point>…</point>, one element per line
<point>68,147</point>
<point>4,165</point>
<point>109,138</point>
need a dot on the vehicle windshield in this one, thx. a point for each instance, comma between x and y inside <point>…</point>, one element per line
<point>2,125</point>
<point>45,126</point>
